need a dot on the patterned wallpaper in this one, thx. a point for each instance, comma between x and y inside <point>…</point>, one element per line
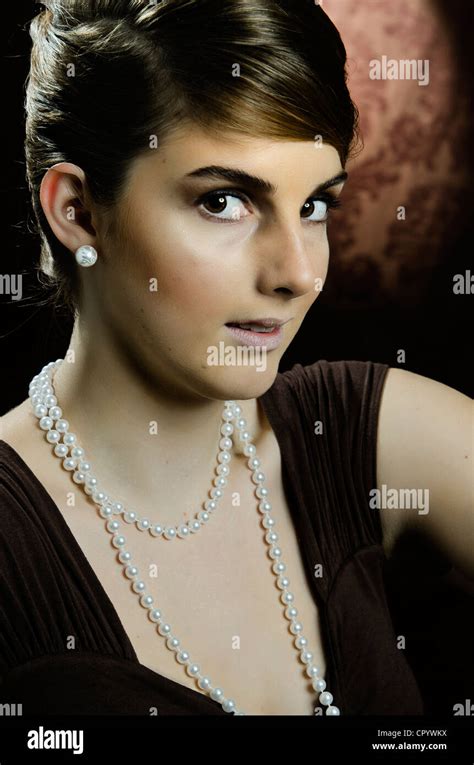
<point>416,153</point>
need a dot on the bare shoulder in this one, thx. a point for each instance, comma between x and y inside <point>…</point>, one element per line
<point>424,463</point>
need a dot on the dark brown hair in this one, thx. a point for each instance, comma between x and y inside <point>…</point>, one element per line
<point>107,74</point>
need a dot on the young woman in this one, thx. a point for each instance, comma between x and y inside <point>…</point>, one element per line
<point>183,157</point>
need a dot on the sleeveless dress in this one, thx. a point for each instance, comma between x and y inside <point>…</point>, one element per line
<point>324,417</point>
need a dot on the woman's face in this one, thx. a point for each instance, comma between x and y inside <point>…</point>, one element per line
<point>193,251</point>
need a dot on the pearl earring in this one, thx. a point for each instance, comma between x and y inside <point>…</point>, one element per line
<point>86,255</point>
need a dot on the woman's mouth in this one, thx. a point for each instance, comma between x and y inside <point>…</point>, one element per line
<point>257,335</point>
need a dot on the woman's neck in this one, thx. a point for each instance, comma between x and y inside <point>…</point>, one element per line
<point>143,441</point>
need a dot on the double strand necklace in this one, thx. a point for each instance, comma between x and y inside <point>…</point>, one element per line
<point>56,428</point>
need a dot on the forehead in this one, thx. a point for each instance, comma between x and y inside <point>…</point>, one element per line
<point>189,148</point>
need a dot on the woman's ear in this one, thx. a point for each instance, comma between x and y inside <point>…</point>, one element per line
<point>66,205</point>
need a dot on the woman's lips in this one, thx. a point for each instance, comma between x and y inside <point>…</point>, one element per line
<point>268,340</point>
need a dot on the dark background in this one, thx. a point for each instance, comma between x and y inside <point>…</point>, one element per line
<point>378,298</point>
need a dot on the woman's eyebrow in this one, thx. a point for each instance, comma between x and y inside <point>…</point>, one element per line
<point>234,175</point>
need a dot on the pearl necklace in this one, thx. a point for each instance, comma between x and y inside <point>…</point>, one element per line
<point>49,414</point>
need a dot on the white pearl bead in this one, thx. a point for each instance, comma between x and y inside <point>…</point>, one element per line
<point>46,423</point>
<point>216,694</point>
<point>296,627</point>
<point>279,567</point>
<point>312,671</point>
<point>156,530</point>
<point>40,410</point>
<point>164,629</point>
<point>291,612</point>
<point>194,526</point>
<point>319,684</point>
<point>203,516</point>
<point>182,657</point>
<point>124,556</point>
<point>60,450</point>
<point>192,669</point>
<point>50,401</point>
<point>84,466</point>
<point>77,452</point>
<point>118,541</point>
<point>169,533</point>
<point>228,705</point>
<point>146,601</point>
<point>105,511</point>
<point>258,477</point>
<point>139,586</point>
<point>155,615</point>
<point>143,524</point>
<point>62,426</point>
<point>69,463</point>
<point>326,698</point>
<point>264,506</point>
<point>275,552</point>
<point>333,711</point>
<point>69,439</point>
<point>86,255</point>
<point>306,657</point>
<point>267,521</point>
<point>131,571</point>
<point>287,597</point>
<point>112,525</point>
<point>172,643</point>
<point>301,642</point>
<point>53,436</point>
<point>204,683</point>
<point>130,517</point>
<point>183,531</point>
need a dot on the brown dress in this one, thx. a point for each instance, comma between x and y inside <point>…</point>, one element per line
<point>48,589</point>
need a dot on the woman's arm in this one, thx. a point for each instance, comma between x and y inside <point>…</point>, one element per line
<point>425,435</point>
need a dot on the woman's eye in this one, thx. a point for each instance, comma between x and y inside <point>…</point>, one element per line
<point>317,208</point>
<point>229,206</point>
<point>218,207</point>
